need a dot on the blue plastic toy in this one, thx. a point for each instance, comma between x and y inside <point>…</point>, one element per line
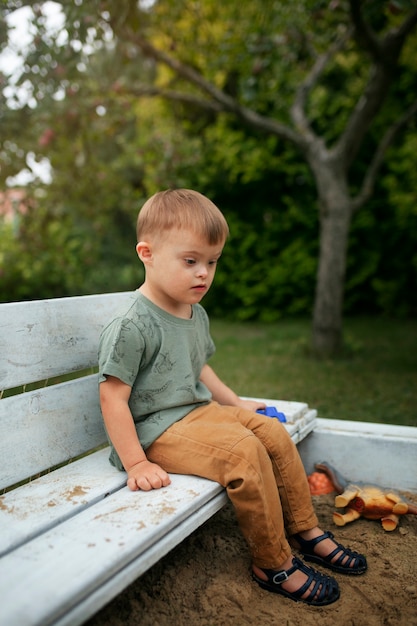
<point>271,411</point>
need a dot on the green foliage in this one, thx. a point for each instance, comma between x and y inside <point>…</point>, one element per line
<point>110,147</point>
<point>32,269</point>
<point>269,263</point>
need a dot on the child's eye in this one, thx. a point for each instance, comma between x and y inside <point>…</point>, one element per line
<point>190,261</point>
<point>213,262</point>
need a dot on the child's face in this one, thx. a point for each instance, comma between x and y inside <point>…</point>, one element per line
<point>180,267</point>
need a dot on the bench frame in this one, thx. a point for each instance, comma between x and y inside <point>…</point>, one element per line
<point>75,536</point>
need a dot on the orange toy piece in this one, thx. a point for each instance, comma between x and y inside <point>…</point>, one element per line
<point>320,484</point>
<point>368,501</point>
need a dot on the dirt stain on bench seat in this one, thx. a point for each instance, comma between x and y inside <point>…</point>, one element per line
<point>114,517</point>
<point>75,492</point>
<point>4,507</point>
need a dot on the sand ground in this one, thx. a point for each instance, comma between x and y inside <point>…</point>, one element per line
<point>205,581</point>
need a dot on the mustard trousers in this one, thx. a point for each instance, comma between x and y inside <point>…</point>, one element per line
<point>255,459</point>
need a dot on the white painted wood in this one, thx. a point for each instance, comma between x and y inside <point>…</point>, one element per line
<point>74,609</point>
<point>49,426</point>
<point>382,454</point>
<point>43,428</point>
<point>36,507</point>
<point>88,606</point>
<point>42,579</point>
<point>74,538</point>
<point>303,427</point>
<point>46,338</point>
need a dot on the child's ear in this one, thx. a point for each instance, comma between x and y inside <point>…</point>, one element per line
<point>144,252</point>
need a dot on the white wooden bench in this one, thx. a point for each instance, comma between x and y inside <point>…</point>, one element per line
<point>74,536</point>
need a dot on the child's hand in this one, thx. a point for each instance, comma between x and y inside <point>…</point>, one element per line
<point>146,476</point>
<point>251,405</point>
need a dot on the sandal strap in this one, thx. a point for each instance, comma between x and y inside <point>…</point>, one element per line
<point>345,552</point>
<point>347,556</point>
<point>277,577</point>
<point>310,544</point>
<point>347,559</point>
<point>324,586</point>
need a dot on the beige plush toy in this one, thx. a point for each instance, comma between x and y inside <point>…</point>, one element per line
<point>368,501</point>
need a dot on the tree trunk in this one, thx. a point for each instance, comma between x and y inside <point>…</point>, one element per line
<point>335,218</point>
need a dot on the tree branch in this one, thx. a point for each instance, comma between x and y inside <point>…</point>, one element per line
<point>298,109</point>
<point>375,165</point>
<point>408,25</point>
<point>363,34</point>
<point>381,75</point>
<point>394,39</point>
<point>176,96</point>
<point>220,101</point>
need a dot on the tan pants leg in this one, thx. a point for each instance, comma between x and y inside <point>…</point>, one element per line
<point>254,458</point>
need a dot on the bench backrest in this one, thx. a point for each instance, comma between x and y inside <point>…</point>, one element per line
<point>40,340</point>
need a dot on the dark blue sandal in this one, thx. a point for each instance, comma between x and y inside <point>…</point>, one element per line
<point>324,591</point>
<point>347,561</point>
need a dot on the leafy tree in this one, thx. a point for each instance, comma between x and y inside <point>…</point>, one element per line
<point>275,67</point>
<point>320,77</point>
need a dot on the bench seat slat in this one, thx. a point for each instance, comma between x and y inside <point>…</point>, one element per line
<point>36,507</point>
<point>126,524</point>
<point>86,607</point>
<point>46,338</point>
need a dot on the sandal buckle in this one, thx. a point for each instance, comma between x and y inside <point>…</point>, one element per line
<point>280,577</point>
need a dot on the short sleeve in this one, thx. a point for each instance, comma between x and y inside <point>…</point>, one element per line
<point>120,351</point>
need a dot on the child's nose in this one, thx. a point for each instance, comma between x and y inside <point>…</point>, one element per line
<point>202,270</point>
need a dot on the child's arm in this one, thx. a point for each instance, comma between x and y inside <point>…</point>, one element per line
<point>223,394</point>
<point>142,474</point>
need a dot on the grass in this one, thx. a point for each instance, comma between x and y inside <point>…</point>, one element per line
<point>375,380</point>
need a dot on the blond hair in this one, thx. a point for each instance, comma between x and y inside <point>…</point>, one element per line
<point>182,209</point>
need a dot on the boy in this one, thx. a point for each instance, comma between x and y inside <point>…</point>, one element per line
<point>166,410</point>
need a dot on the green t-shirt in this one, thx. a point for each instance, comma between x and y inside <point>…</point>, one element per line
<point>160,357</point>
